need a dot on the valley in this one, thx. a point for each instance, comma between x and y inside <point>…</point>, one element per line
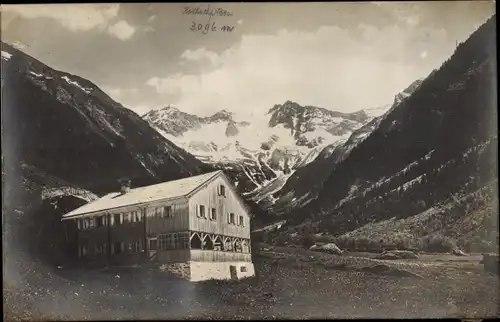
<point>448,287</point>
<point>329,193</point>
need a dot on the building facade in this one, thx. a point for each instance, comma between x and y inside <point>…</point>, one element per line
<point>197,228</point>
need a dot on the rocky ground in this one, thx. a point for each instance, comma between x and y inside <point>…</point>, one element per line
<point>291,283</point>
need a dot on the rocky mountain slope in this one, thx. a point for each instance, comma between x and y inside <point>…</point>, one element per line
<point>65,125</point>
<point>261,152</point>
<point>304,184</point>
<point>438,143</point>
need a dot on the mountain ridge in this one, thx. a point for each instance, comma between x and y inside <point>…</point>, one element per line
<point>303,186</point>
<point>94,140</point>
<point>416,159</point>
<point>262,150</point>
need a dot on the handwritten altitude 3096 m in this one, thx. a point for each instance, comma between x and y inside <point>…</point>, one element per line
<point>209,27</point>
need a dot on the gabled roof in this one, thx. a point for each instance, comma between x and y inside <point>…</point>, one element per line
<point>160,191</point>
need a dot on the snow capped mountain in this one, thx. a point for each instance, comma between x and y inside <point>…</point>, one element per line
<point>305,183</point>
<point>312,126</point>
<point>262,151</point>
<point>174,122</point>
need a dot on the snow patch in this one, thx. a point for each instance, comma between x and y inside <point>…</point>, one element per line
<point>6,55</point>
<point>74,83</point>
<point>35,74</point>
<point>276,225</point>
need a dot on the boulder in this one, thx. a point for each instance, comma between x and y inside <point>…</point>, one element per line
<point>397,254</point>
<point>314,247</point>
<point>327,248</point>
<point>458,252</point>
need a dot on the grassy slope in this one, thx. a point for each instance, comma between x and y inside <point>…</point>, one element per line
<point>469,222</point>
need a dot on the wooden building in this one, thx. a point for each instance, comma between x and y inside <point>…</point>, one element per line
<point>197,228</point>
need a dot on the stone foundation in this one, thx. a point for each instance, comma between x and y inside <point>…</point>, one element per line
<point>202,271</point>
<point>180,270</point>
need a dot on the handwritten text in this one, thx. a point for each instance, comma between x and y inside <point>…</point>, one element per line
<point>197,11</point>
<point>209,27</point>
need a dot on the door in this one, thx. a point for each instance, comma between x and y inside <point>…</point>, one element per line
<point>153,246</point>
<point>233,272</point>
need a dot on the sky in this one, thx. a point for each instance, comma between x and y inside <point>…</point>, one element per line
<point>340,56</point>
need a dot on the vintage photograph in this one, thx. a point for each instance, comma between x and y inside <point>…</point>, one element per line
<point>328,160</point>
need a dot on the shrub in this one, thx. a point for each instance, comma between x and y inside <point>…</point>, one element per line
<point>361,244</point>
<point>439,244</point>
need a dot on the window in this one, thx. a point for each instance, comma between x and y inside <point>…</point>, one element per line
<point>231,219</point>
<point>240,221</point>
<point>136,216</point>
<point>137,246</point>
<point>170,241</point>
<point>127,217</point>
<point>153,244</point>
<point>201,211</point>
<point>117,219</point>
<point>100,221</point>
<point>243,269</point>
<point>168,211</point>
<point>162,242</point>
<point>222,190</point>
<point>159,212</point>
<point>213,214</point>
<point>173,241</point>
<point>183,240</point>
<point>91,222</point>
<point>79,223</point>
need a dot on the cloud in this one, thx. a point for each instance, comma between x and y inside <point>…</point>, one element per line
<point>239,22</point>
<point>122,30</point>
<point>423,54</point>
<point>331,67</point>
<point>412,21</point>
<point>76,17</point>
<point>201,54</point>
<point>176,84</point>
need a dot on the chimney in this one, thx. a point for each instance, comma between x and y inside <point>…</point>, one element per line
<point>124,186</point>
